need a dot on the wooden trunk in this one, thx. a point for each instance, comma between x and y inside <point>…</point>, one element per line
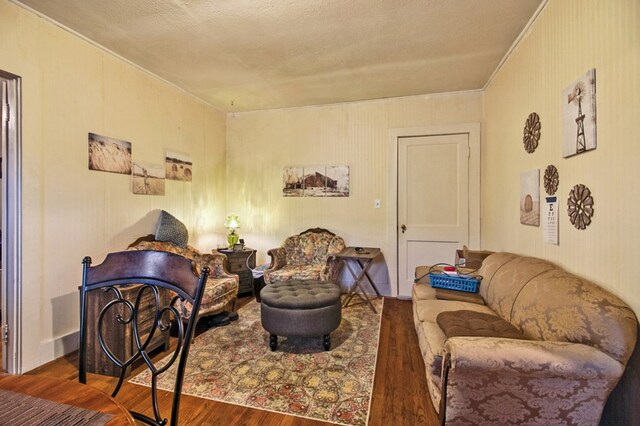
<point>118,337</point>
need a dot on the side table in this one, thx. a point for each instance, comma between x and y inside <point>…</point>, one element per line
<point>236,263</point>
<point>360,258</point>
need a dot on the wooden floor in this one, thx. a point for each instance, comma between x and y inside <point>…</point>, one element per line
<point>400,395</point>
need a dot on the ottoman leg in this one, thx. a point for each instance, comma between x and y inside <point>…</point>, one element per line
<point>273,342</point>
<point>326,342</point>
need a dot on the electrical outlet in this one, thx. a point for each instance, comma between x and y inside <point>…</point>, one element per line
<point>376,204</point>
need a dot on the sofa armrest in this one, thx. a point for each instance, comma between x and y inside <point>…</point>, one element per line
<point>500,380</point>
<point>278,258</point>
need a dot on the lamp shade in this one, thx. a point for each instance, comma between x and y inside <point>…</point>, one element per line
<point>232,221</point>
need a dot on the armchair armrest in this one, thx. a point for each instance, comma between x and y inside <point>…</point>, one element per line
<point>500,380</point>
<point>278,258</point>
<point>216,263</point>
<point>332,268</point>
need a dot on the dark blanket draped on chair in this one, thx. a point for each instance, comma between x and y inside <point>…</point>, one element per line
<point>151,271</point>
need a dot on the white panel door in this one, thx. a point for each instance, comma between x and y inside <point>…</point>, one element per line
<point>433,202</point>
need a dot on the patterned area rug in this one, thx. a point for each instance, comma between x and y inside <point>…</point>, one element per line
<point>233,364</point>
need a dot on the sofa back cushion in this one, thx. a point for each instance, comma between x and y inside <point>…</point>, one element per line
<point>509,281</point>
<point>560,306</point>
<point>490,266</point>
<point>312,248</point>
<point>547,303</point>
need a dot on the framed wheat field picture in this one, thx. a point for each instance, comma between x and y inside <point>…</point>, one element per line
<point>109,155</point>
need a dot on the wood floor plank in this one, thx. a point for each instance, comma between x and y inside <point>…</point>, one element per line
<point>400,395</point>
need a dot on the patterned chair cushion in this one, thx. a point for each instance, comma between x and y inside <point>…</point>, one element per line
<point>310,248</point>
<point>221,287</point>
<point>307,256</point>
<point>298,272</point>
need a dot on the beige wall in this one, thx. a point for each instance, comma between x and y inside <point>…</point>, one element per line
<point>260,144</point>
<point>567,39</point>
<point>71,88</point>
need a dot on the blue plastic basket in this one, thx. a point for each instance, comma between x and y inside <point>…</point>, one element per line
<point>470,285</point>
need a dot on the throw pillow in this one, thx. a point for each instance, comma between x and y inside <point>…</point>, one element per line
<point>170,229</point>
<point>480,324</point>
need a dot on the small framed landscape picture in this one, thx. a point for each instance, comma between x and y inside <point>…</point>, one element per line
<point>109,155</point>
<point>148,178</point>
<point>178,166</point>
<point>292,184</point>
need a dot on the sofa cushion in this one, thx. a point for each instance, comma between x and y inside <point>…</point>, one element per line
<point>171,230</point>
<point>479,324</point>
<point>423,292</point>
<point>428,310</point>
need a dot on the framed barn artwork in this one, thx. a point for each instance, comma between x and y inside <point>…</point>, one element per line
<point>315,181</point>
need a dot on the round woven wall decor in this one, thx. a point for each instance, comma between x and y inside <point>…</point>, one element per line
<point>551,179</point>
<point>580,206</point>
<point>531,132</point>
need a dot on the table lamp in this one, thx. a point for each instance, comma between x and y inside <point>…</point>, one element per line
<point>232,224</point>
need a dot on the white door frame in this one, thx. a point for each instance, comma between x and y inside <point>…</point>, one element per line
<point>12,229</point>
<point>473,130</point>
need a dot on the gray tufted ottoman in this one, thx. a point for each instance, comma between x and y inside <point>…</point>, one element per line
<point>302,309</point>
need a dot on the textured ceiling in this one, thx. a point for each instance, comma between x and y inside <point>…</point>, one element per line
<point>242,55</point>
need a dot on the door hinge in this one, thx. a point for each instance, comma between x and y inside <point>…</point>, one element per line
<point>6,113</point>
<point>5,333</point>
<point>468,152</point>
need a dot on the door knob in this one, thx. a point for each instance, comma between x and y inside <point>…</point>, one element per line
<point>404,228</point>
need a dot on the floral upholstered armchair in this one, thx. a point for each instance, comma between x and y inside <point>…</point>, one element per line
<point>311,255</point>
<point>221,289</point>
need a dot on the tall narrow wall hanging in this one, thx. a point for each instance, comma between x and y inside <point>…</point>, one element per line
<point>531,132</point>
<point>530,198</point>
<point>579,115</point>
<point>580,206</point>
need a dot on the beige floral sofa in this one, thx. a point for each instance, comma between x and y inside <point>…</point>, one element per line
<point>575,340</point>
<point>221,290</point>
<point>309,255</point>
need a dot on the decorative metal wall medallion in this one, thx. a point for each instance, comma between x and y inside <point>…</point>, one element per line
<point>580,206</point>
<point>531,132</point>
<point>551,179</point>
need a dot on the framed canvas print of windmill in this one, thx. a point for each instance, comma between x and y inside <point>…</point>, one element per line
<point>579,115</point>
